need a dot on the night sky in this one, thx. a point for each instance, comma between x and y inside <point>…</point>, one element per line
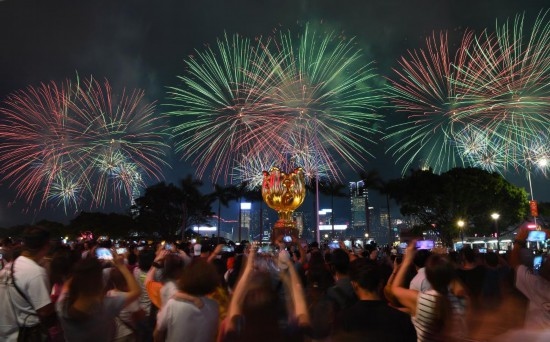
<point>142,44</point>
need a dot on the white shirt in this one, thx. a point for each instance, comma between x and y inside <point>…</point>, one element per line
<point>33,281</point>
<point>419,282</point>
<point>183,321</point>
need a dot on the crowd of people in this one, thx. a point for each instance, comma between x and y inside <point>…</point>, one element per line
<point>282,292</point>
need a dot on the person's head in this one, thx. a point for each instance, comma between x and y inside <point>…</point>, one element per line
<point>316,259</point>
<point>87,279</point>
<point>468,254</point>
<point>261,298</point>
<point>117,280</point>
<point>421,257</point>
<point>439,272</point>
<point>199,278</point>
<point>236,272</point>
<point>340,261</point>
<point>173,267</point>
<point>366,275</point>
<point>36,240</point>
<point>61,265</point>
<point>491,259</point>
<point>145,259</point>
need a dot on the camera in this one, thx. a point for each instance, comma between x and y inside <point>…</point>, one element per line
<point>424,244</point>
<point>121,250</point>
<point>287,238</point>
<point>103,254</point>
<point>536,235</point>
<point>333,245</point>
<point>537,263</point>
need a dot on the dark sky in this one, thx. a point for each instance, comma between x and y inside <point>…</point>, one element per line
<point>142,44</point>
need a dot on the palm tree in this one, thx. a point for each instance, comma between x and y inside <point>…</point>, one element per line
<point>385,189</point>
<point>191,196</point>
<point>223,194</point>
<point>333,189</point>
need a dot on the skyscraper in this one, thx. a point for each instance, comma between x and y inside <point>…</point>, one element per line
<point>359,199</point>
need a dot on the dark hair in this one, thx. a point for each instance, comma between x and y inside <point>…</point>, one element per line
<point>145,259</point>
<point>421,257</point>
<point>366,274</point>
<point>87,279</point>
<point>491,258</point>
<point>117,280</point>
<point>468,254</point>
<point>261,298</point>
<point>173,267</point>
<point>318,274</point>
<point>234,275</point>
<point>35,238</point>
<point>439,272</point>
<point>340,261</point>
<point>60,265</point>
<point>199,278</point>
<point>132,258</point>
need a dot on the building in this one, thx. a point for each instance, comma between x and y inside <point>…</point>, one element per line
<point>361,219</point>
<point>245,214</point>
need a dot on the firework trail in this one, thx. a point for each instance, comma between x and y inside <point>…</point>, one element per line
<point>224,113</point>
<point>327,95</point>
<point>68,143</point>
<point>125,138</point>
<point>240,100</point>
<point>507,87</point>
<point>39,139</point>
<point>426,88</point>
<point>483,108</point>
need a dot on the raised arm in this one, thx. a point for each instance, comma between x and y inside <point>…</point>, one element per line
<point>301,311</point>
<point>407,297</point>
<point>215,252</point>
<point>134,290</point>
<point>235,305</point>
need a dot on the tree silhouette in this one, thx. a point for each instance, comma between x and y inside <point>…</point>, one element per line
<point>223,194</point>
<point>438,201</point>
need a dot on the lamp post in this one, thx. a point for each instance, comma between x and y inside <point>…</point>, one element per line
<point>495,217</point>
<point>460,224</point>
<point>541,161</point>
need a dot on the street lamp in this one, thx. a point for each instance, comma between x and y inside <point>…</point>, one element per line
<point>460,224</point>
<point>495,217</point>
<point>538,157</point>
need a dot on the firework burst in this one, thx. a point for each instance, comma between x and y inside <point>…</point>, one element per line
<point>507,85</point>
<point>63,143</point>
<point>426,88</point>
<point>241,100</point>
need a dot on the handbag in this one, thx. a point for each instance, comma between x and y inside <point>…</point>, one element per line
<point>31,334</point>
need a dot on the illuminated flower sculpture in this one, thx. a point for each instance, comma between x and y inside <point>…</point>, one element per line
<point>284,193</point>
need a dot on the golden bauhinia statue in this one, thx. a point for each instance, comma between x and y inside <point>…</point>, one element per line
<point>284,193</point>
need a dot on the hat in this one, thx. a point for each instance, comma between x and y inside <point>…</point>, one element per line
<point>197,249</point>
